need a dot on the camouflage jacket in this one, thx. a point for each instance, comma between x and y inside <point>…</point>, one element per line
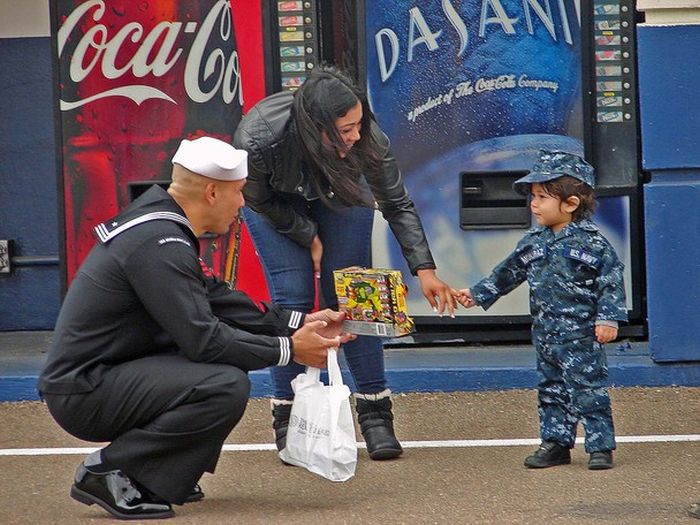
<point>575,279</point>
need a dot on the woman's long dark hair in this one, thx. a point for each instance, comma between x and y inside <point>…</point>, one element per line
<point>326,95</point>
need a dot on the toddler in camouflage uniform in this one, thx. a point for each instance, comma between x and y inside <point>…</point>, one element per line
<point>577,297</point>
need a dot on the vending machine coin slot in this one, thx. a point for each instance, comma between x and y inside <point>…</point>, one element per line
<point>488,201</point>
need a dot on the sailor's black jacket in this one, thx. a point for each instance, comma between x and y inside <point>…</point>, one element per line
<point>142,291</point>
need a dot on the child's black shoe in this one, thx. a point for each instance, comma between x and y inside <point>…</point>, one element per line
<point>550,454</point>
<point>600,460</point>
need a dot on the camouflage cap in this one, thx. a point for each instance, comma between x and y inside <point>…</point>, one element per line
<point>551,165</point>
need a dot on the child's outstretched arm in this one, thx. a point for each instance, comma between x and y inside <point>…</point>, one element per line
<point>464,297</point>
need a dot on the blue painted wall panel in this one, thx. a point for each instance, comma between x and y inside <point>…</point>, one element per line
<point>30,296</point>
<point>672,223</point>
<point>29,299</point>
<point>669,89</point>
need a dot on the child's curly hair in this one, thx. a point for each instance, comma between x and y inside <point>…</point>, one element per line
<point>566,186</point>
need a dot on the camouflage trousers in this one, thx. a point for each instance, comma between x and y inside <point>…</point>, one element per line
<point>572,388</point>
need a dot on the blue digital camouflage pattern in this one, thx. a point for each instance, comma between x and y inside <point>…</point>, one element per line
<point>551,165</point>
<point>576,280</point>
<point>572,388</point>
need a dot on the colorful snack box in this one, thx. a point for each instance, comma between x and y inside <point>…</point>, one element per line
<point>374,301</point>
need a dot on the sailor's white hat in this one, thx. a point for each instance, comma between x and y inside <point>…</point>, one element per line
<point>212,158</point>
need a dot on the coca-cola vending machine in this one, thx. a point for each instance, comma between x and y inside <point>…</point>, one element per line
<point>468,91</point>
<point>135,78</point>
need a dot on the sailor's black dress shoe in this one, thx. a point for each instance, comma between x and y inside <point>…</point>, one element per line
<point>115,492</point>
<point>196,495</point>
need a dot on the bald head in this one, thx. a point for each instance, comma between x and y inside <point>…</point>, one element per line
<point>186,184</point>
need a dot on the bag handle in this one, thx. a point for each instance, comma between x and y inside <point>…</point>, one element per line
<point>313,374</point>
<point>334,375</point>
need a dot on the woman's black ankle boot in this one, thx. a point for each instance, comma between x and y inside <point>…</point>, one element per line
<point>280,414</point>
<point>377,425</point>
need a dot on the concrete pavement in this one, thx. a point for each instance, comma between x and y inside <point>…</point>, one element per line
<point>653,482</point>
<point>475,407</point>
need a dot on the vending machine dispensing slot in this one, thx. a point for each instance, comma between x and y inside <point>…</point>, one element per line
<point>488,201</point>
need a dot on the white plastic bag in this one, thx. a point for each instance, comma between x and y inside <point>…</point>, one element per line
<point>321,432</point>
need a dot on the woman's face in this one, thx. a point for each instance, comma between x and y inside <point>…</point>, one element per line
<point>349,126</point>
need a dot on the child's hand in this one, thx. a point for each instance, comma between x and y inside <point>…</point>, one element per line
<point>605,334</point>
<point>464,297</point>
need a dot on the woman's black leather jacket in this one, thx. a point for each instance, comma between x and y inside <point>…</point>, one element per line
<point>275,168</point>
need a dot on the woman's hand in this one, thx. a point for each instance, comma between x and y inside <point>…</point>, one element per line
<point>438,293</point>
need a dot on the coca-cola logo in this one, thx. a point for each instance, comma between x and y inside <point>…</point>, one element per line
<point>155,55</point>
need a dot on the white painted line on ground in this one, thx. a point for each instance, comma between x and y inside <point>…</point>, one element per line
<point>464,443</point>
<point>528,442</point>
<point>45,451</point>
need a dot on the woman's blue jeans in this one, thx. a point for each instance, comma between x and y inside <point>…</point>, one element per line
<point>346,237</point>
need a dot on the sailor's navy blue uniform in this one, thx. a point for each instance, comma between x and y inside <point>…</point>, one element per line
<point>151,354</point>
